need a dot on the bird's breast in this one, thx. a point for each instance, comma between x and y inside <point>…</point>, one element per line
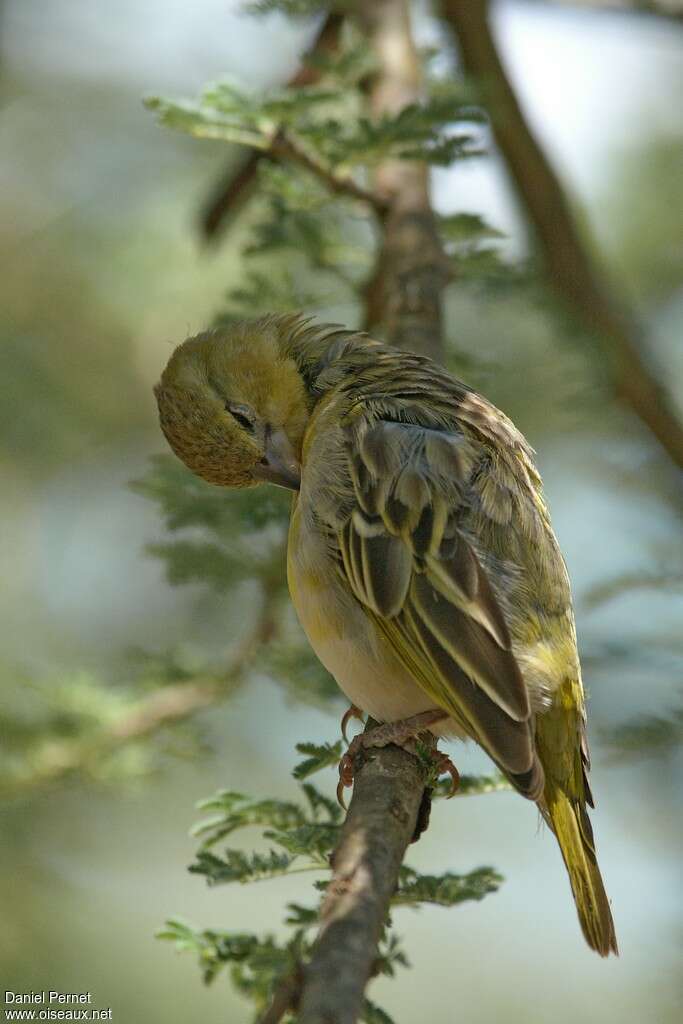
<point>343,636</point>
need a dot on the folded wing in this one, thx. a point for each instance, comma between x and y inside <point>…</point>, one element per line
<point>407,561</point>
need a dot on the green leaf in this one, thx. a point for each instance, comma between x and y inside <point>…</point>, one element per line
<point>374,1014</point>
<point>256,963</point>
<point>301,917</point>
<point>473,785</point>
<point>321,805</point>
<point>185,501</point>
<point>307,679</point>
<point>466,227</point>
<point>319,757</point>
<point>315,840</point>
<point>647,736</point>
<point>235,811</point>
<point>390,955</point>
<point>444,890</point>
<point>237,866</point>
<point>292,8</point>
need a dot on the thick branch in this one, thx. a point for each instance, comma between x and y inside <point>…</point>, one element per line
<point>378,827</point>
<point>569,265</point>
<point>404,295</point>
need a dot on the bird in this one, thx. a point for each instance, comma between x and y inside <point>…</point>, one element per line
<point>421,559</point>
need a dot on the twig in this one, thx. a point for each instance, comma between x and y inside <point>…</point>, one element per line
<point>229,195</point>
<point>569,265</point>
<point>379,825</point>
<point>285,998</point>
<point>59,759</point>
<point>236,186</point>
<point>56,760</point>
<point>287,148</point>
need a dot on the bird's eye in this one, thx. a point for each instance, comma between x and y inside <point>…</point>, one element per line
<point>243,417</point>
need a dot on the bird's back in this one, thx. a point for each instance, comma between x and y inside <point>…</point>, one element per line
<point>500,507</point>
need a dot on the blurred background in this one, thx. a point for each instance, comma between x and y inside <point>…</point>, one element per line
<point>104,271</point>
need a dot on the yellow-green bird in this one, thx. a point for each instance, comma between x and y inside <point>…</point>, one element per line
<point>421,560</point>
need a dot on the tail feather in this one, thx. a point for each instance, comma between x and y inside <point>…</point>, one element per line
<point>570,823</point>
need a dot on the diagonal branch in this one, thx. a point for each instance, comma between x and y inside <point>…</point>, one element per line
<point>288,148</point>
<point>285,998</point>
<point>57,760</point>
<point>235,188</point>
<point>569,265</point>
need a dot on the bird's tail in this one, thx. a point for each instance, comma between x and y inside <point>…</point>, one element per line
<point>569,821</point>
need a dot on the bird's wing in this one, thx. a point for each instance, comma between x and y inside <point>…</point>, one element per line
<point>406,559</point>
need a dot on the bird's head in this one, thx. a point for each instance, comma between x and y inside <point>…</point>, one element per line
<point>233,408</point>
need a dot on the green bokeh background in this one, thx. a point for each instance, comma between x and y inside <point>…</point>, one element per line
<point>102,273</point>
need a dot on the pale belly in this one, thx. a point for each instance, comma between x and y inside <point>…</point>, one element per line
<point>347,642</point>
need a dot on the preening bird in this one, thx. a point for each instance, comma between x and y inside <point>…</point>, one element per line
<point>421,559</point>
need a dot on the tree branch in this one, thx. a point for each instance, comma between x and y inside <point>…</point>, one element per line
<point>569,265</point>
<point>236,186</point>
<point>379,825</point>
<point>404,294</point>
<point>56,760</point>
<point>287,148</point>
<point>59,759</point>
<point>285,998</point>
<point>404,298</point>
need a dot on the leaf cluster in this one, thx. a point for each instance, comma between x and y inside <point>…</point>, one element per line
<point>318,117</point>
<point>56,727</point>
<point>316,245</point>
<point>220,542</point>
<point>308,830</point>
<point>302,835</point>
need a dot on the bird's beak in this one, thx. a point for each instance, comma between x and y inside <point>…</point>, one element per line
<point>279,465</point>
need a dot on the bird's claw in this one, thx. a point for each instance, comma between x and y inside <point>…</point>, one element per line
<point>347,768</point>
<point>380,736</point>
<point>351,712</point>
<point>444,766</point>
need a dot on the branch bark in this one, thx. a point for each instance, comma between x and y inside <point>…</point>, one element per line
<point>287,148</point>
<point>404,294</point>
<point>379,825</point>
<point>404,298</point>
<point>570,268</point>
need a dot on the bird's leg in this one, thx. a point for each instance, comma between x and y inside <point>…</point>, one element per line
<point>391,732</point>
<point>351,712</point>
<point>444,766</point>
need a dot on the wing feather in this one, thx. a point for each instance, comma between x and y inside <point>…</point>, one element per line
<point>491,667</point>
<point>407,562</point>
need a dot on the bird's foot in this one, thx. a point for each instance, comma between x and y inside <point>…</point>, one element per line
<point>444,766</point>
<point>400,733</point>
<point>351,712</point>
<point>438,764</point>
